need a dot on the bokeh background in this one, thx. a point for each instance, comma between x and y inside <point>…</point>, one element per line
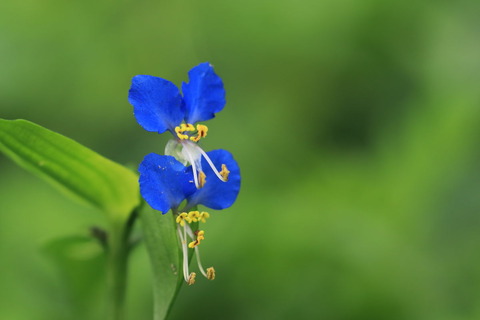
<point>356,125</point>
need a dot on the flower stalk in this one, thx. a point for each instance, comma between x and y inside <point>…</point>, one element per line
<point>118,249</point>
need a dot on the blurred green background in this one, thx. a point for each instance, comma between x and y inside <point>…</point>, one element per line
<point>356,125</point>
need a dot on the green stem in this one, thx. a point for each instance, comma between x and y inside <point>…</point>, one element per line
<point>117,265</point>
<point>116,273</point>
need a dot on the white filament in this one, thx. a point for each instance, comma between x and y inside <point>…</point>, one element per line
<point>196,152</point>
<point>193,161</point>
<point>211,165</point>
<point>197,251</point>
<point>191,153</point>
<point>183,240</point>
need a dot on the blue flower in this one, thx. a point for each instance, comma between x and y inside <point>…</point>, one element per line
<point>165,183</point>
<point>159,106</point>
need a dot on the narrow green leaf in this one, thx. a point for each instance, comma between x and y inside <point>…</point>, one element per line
<point>165,256</point>
<point>71,166</point>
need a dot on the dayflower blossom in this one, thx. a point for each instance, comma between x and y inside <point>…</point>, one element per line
<point>165,183</point>
<point>159,107</point>
<point>186,174</point>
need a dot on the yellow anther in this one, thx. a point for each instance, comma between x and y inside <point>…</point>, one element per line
<point>180,134</point>
<point>210,273</point>
<point>202,179</point>
<point>191,278</point>
<point>193,216</point>
<point>201,132</point>
<point>225,172</point>
<point>187,127</point>
<point>203,216</point>
<point>182,128</point>
<point>181,219</point>
<point>200,236</point>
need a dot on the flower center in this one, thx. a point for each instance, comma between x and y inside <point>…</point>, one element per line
<point>187,151</point>
<point>187,131</point>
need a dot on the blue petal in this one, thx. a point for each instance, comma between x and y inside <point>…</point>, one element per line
<point>217,194</point>
<point>157,103</point>
<point>203,95</point>
<point>164,182</point>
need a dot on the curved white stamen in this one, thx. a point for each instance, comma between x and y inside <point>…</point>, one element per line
<point>212,165</point>
<point>194,167</point>
<point>197,251</point>
<point>183,240</point>
<point>196,152</point>
<point>185,234</point>
<point>190,232</point>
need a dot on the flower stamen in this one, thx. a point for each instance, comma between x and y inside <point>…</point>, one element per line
<point>202,179</point>
<point>193,216</point>
<point>184,127</point>
<point>183,241</point>
<point>201,133</point>
<point>210,273</point>
<point>181,219</point>
<point>200,236</point>
<point>210,163</point>
<point>195,162</point>
<point>187,131</point>
<point>225,172</point>
<point>192,153</point>
<point>191,278</point>
<point>203,216</point>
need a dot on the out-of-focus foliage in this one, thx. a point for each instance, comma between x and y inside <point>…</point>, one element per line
<point>76,259</point>
<point>356,125</point>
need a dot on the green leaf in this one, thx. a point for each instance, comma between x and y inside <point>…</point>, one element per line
<point>163,247</point>
<point>71,166</point>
